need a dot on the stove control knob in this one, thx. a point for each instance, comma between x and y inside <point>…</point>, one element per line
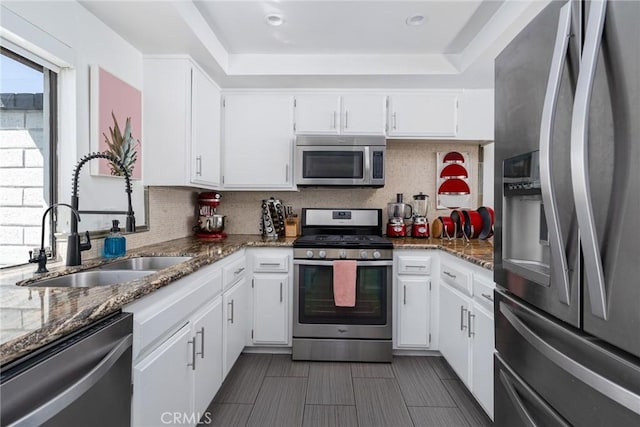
<point>322,254</point>
<point>309,254</point>
<point>363,254</point>
<point>343,254</point>
<point>376,254</point>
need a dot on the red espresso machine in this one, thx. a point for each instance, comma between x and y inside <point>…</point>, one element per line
<point>398,213</point>
<point>210,223</point>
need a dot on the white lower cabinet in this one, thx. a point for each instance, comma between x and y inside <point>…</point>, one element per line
<point>270,309</point>
<point>467,327</point>
<point>207,359</point>
<point>162,382</point>
<point>413,312</point>
<point>235,315</point>
<point>412,296</point>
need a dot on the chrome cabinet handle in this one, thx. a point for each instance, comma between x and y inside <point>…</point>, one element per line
<point>269,264</point>
<point>286,173</point>
<point>469,317</point>
<point>394,121</point>
<point>193,354</point>
<point>280,291</point>
<point>230,319</point>
<point>559,270</point>
<point>201,332</point>
<point>333,120</point>
<point>48,410</point>
<point>346,119</point>
<point>614,391</point>
<point>238,271</point>
<point>446,273</point>
<point>462,311</point>
<point>580,160</point>
<point>405,294</point>
<point>488,296</point>
<point>419,267</point>
<point>198,165</point>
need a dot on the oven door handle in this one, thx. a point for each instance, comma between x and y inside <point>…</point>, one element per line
<point>330,263</point>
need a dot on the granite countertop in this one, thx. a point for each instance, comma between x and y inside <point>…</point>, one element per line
<point>35,316</point>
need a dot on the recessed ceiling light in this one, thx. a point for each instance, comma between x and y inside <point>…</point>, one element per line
<point>415,20</point>
<point>274,20</point>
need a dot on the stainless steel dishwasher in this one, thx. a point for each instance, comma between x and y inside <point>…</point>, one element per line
<point>82,379</point>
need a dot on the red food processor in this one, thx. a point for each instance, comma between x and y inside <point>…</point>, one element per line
<point>420,205</point>
<point>210,223</point>
<point>398,212</point>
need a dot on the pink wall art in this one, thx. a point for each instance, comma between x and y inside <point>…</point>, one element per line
<point>116,123</point>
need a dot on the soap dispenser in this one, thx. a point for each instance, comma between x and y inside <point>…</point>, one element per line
<point>115,244</point>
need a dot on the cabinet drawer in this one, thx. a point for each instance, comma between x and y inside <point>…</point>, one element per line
<point>278,263</point>
<point>414,265</point>
<point>456,277</point>
<point>483,292</point>
<point>233,272</point>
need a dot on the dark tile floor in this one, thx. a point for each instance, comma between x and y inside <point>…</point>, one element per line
<point>271,390</point>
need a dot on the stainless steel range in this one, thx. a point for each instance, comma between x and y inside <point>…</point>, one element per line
<point>321,329</point>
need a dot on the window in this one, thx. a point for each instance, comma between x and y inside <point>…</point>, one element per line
<point>27,156</point>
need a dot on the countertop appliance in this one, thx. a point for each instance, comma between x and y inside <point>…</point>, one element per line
<point>398,213</point>
<point>322,330</point>
<point>210,223</point>
<point>82,379</point>
<point>566,257</point>
<point>337,160</point>
<point>420,205</point>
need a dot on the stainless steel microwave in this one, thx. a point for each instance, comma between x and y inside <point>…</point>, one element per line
<point>332,160</point>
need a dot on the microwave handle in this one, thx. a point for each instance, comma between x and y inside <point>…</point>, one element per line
<point>367,164</point>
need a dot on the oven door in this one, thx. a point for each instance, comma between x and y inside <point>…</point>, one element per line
<point>333,165</point>
<point>316,315</point>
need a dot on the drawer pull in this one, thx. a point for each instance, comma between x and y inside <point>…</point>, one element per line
<point>488,296</point>
<point>446,273</point>
<point>420,267</point>
<point>463,310</point>
<point>269,264</point>
<point>201,332</point>
<point>193,353</point>
<point>238,271</point>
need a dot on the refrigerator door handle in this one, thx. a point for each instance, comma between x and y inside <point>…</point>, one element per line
<point>614,391</point>
<point>559,270</point>
<point>580,160</point>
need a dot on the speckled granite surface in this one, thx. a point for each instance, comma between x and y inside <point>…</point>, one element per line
<point>33,317</point>
<point>479,252</point>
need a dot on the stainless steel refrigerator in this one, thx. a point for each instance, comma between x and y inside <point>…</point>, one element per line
<point>567,234</point>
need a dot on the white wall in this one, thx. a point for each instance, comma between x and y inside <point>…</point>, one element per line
<point>76,39</point>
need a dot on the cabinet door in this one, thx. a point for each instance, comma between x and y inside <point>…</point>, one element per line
<point>482,358</point>
<point>270,309</point>
<point>364,114</point>
<point>453,319</point>
<point>258,141</point>
<point>207,329</point>
<point>162,381</point>
<point>425,114</point>
<point>413,312</point>
<point>205,130</point>
<point>235,318</point>
<point>317,113</point>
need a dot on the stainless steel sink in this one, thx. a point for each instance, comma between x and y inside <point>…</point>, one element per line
<point>85,279</point>
<point>145,263</point>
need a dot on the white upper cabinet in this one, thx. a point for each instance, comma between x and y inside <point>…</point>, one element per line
<point>432,114</point>
<point>364,114</point>
<point>258,141</point>
<point>181,121</point>
<point>353,113</point>
<point>317,113</point>
<point>475,115</point>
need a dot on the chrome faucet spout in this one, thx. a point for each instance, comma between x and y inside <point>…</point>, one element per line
<point>74,246</point>
<point>41,258</point>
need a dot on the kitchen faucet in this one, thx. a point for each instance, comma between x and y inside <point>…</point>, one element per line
<point>74,245</point>
<point>41,258</point>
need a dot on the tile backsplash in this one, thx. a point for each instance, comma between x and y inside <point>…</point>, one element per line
<point>411,168</point>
